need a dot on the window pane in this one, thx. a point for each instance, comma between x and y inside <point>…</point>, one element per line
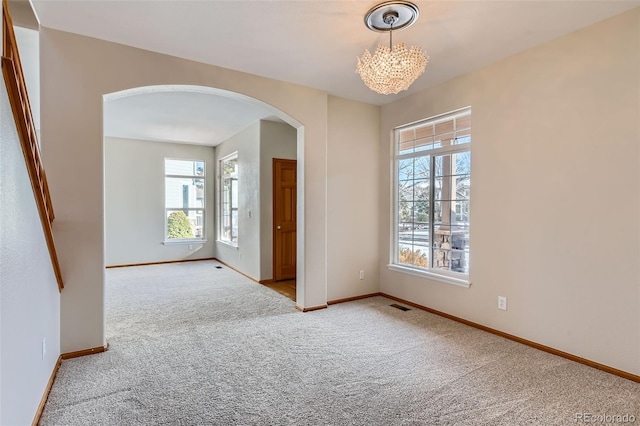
<point>234,225</point>
<point>405,253</point>
<point>405,141</point>
<point>405,147</point>
<point>442,187</point>
<point>187,193</point>
<point>463,123</point>
<point>421,190</point>
<point>185,224</point>
<point>405,232</point>
<point>405,169</point>
<point>413,255</point>
<point>443,165</point>
<point>234,193</point>
<point>424,144</point>
<point>406,191</point>
<point>462,163</point>
<point>422,167</point>
<point>183,167</point>
<point>230,167</point>
<point>420,256</point>
<point>424,131</point>
<point>421,213</point>
<point>444,139</point>
<point>444,127</point>
<point>407,135</point>
<point>461,213</point>
<point>460,261</point>
<point>405,212</point>
<point>229,200</point>
<point>451,260</point>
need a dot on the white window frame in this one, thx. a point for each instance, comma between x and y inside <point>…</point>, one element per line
<point>431,272</point>
<point>203,238</point>
<point>221,205</point>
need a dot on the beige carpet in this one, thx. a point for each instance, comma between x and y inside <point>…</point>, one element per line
<point>194,345</point>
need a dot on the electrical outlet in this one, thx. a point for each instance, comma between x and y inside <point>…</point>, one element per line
<point>44,347</point>
<point>362,275</point>
<point>190,247</point>
<point>502,303</point>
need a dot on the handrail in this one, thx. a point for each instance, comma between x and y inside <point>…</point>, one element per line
<point>21,107</point>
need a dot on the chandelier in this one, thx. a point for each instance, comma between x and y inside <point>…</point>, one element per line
<point>391,69</point>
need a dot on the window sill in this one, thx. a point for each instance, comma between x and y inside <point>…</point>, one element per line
<point>228,244</point>
<point>430,276</point>
<point>171,243</point>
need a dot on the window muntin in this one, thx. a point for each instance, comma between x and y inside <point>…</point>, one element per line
<point>184,184</point>
<point>432,195</point>
<point>228,232</point>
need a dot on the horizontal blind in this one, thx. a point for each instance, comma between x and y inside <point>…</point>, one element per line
<point>435,133</point>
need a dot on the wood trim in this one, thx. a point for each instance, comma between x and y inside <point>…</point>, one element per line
<point>311,308</point>
<point>159,263</point>
<point>269,281</point>
<point>84,352</point>
<point>23,118</point>
<point>47,391</point>
<point>240,272</point>
<point>544,348</point>
<point>351,299</point>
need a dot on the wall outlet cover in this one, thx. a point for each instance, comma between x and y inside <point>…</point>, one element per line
<point>502,303</point>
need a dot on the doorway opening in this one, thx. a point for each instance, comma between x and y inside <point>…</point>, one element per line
<point>284,178</point>
<point>166,122</point>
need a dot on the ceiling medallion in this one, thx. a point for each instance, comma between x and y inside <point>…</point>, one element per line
<point>391,69</point>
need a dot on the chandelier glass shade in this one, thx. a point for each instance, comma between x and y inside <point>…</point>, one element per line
<point>392,69</point>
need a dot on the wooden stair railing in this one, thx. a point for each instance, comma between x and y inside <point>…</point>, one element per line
<point>19,100</point>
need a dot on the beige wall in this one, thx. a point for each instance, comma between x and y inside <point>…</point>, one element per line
<point>134,201</point>
<point>76,72</point>
<point>256,146</point>
<point>246,256</point>
<point>352,198</point>
<point>555,194</point>
<point>29,298</point>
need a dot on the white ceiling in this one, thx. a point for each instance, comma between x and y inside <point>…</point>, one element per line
<point>171,114</point>
<point>316,42</point>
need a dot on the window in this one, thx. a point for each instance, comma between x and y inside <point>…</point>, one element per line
<point>432,192</point>
<point>184,189</point>
<point>229,199</point>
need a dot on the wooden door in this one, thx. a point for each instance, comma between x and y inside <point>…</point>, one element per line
<point>284,219</point>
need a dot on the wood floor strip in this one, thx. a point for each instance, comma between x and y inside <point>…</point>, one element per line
<point>159,263</point>
<point>85,352</point>
<point>310,308</point>
<point>351,299</point>
<point>240,272</point>
<point>47,390</point>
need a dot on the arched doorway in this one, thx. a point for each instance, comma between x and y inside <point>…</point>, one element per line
<point>137,122</point>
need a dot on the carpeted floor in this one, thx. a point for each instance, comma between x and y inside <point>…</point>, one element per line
<point>194,345</point>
